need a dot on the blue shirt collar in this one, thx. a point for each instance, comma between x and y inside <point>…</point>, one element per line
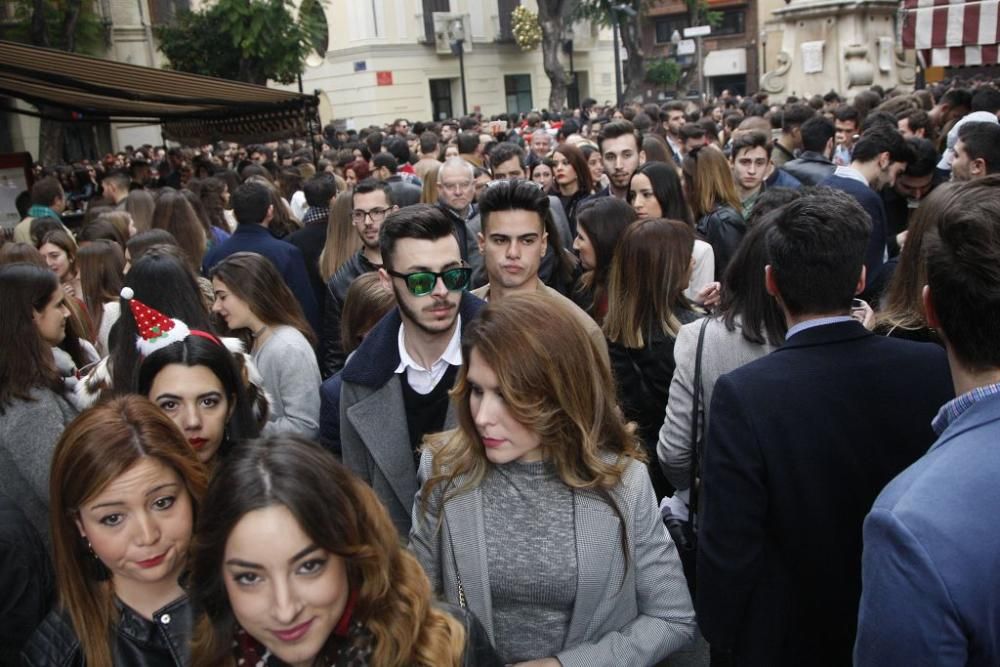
<point>954,408</point>
<point>818,322</point>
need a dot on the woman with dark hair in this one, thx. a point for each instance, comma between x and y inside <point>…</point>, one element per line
<point>102,266</point>
<point>251,296</point>
<point>748,325</point>
<point>601,223</point>
<point>647,308</point>
<point>711,192</point>
<point>163,282</point>
<point>214,234</point>
<point>596,165</point>
<point>655,191</point>
<point>657,150</point>
<point>33,410</point>
<point>214,195</point>
<point>573,183</point>
<point>175,214</point>
<point>537,512</point>
<point>542,173</point>
<point>59,250</point>
<point>198,382</point>
<point>296,562</point>
<point>137,246</point>
<point>125,490</point>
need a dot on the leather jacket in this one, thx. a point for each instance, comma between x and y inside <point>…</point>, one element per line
<point>723,228</point>
<point>332,355</point>
<point>138,642</point>
<point>810,167</point>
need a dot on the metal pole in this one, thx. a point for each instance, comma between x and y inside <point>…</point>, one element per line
<point>618,61</point>
<point>701,71</point>
<point>461,73</point>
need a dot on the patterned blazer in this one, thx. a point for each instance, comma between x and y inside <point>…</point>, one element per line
<point>634,616</point>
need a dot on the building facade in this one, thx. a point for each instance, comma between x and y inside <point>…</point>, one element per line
<point>388,59</point>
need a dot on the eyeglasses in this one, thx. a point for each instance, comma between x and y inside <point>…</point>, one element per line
<point>376,214</point>
<point>421,283</point>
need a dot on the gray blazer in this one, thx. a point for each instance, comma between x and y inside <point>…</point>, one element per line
<point>723,351</point>
<point>634,616</point>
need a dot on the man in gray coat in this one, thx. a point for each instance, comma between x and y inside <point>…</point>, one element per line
<point>395,386</point>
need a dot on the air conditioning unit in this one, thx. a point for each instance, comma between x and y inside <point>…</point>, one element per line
<point>445,29</point>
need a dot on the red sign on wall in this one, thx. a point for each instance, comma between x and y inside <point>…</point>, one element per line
<point>383,78</point>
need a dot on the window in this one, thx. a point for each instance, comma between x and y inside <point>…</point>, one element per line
<point>731,23</point>
<point>162,12</point>
<point>518,90</point>
<point>505,8</point>
<point>431,6</point>
<point>665,27</point>
<point>441,98</point>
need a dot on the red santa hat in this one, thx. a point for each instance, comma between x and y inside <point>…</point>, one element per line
<point>156,330</point>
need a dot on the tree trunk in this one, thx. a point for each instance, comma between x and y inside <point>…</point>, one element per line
<point>39,34</point>
<point>552,15</point>
<point>70,20</point>
<point>635,66</point>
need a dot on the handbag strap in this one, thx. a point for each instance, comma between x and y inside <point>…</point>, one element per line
<point>695,431</point>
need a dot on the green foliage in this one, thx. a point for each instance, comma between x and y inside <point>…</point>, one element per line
<point>663,72</point>
<point>246,40</point>
<point>700,14</point>
<point>90,35</point>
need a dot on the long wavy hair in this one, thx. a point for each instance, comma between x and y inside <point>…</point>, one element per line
<point>340,514</point>
<point>555,382</point>
<point>649,273</point>
<point>100,445</point>
<point>254,279</point>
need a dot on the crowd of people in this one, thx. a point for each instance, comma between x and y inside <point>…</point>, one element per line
<point>659,385</point>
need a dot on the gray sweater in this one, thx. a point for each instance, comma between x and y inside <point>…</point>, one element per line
<point>29,431</point>
<point>531,555</point>
<point>287,364</point>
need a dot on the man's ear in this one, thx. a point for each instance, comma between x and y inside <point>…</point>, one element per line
<point>930,312</point>
<point>861,280</point>
<point>770,284</point>
<point>385,279</point>
<point>481,242</point>
<point>977,167</point>
<point>642,157</point>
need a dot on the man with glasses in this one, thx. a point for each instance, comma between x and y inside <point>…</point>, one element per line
<point>395,387</point>
<point>456,192</point>
<point>371,201</point>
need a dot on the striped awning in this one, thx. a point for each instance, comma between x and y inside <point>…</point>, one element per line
<point>952,33</point>
<point>192,109</point>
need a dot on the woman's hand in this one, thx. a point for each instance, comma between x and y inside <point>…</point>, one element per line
<point>68,288</point>
<point>543,662</point>
<point>709,296</point>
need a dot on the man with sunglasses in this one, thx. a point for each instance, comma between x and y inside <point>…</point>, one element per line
<point>371,201</point>
<point>395,386</point>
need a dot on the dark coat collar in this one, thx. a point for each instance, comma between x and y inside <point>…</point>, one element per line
<point>825,334</point>
<point>377,358</point>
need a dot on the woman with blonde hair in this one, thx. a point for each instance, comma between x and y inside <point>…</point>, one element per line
<point>296,562</point>
<point>429,194</point>
<point>711,193</point>
<point>647,307</point>
<point>537,512</point>
<point>125,489</point>
<point>140,205</point>
<point>342,240</point>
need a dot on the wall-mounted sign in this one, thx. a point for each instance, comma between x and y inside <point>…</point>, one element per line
<point>383,78</point>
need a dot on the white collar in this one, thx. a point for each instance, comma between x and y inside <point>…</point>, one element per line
<point>851,173</point>
<point>452,354</point>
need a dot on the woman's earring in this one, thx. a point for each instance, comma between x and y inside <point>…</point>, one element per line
<point>97,570</point>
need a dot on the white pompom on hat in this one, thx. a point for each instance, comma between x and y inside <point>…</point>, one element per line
<point>156,330</point>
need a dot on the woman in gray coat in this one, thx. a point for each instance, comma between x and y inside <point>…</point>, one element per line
<point>537,513</point>
<point>33,412</point>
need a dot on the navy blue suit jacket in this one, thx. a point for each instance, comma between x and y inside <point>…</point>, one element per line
<point>932,541</point>
<point>872,203</point>
<point>799,444</point>
<point>286,257</point>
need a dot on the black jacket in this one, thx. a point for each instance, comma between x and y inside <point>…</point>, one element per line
<point>643,378</point>
<point>723,228</point>
<point>331,351</point>
<point>26,581</point>
<point>138,642</point>
<point>810,167</point>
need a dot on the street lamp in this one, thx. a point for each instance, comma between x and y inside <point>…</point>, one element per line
<point>456,35</point>
<point>616,12</point>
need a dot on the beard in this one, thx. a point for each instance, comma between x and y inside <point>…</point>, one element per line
<point>413,316</point>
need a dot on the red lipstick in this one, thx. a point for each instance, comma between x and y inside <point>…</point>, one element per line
<point>295,633</point>
<point>198,443</point>
<point>152,562</point>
